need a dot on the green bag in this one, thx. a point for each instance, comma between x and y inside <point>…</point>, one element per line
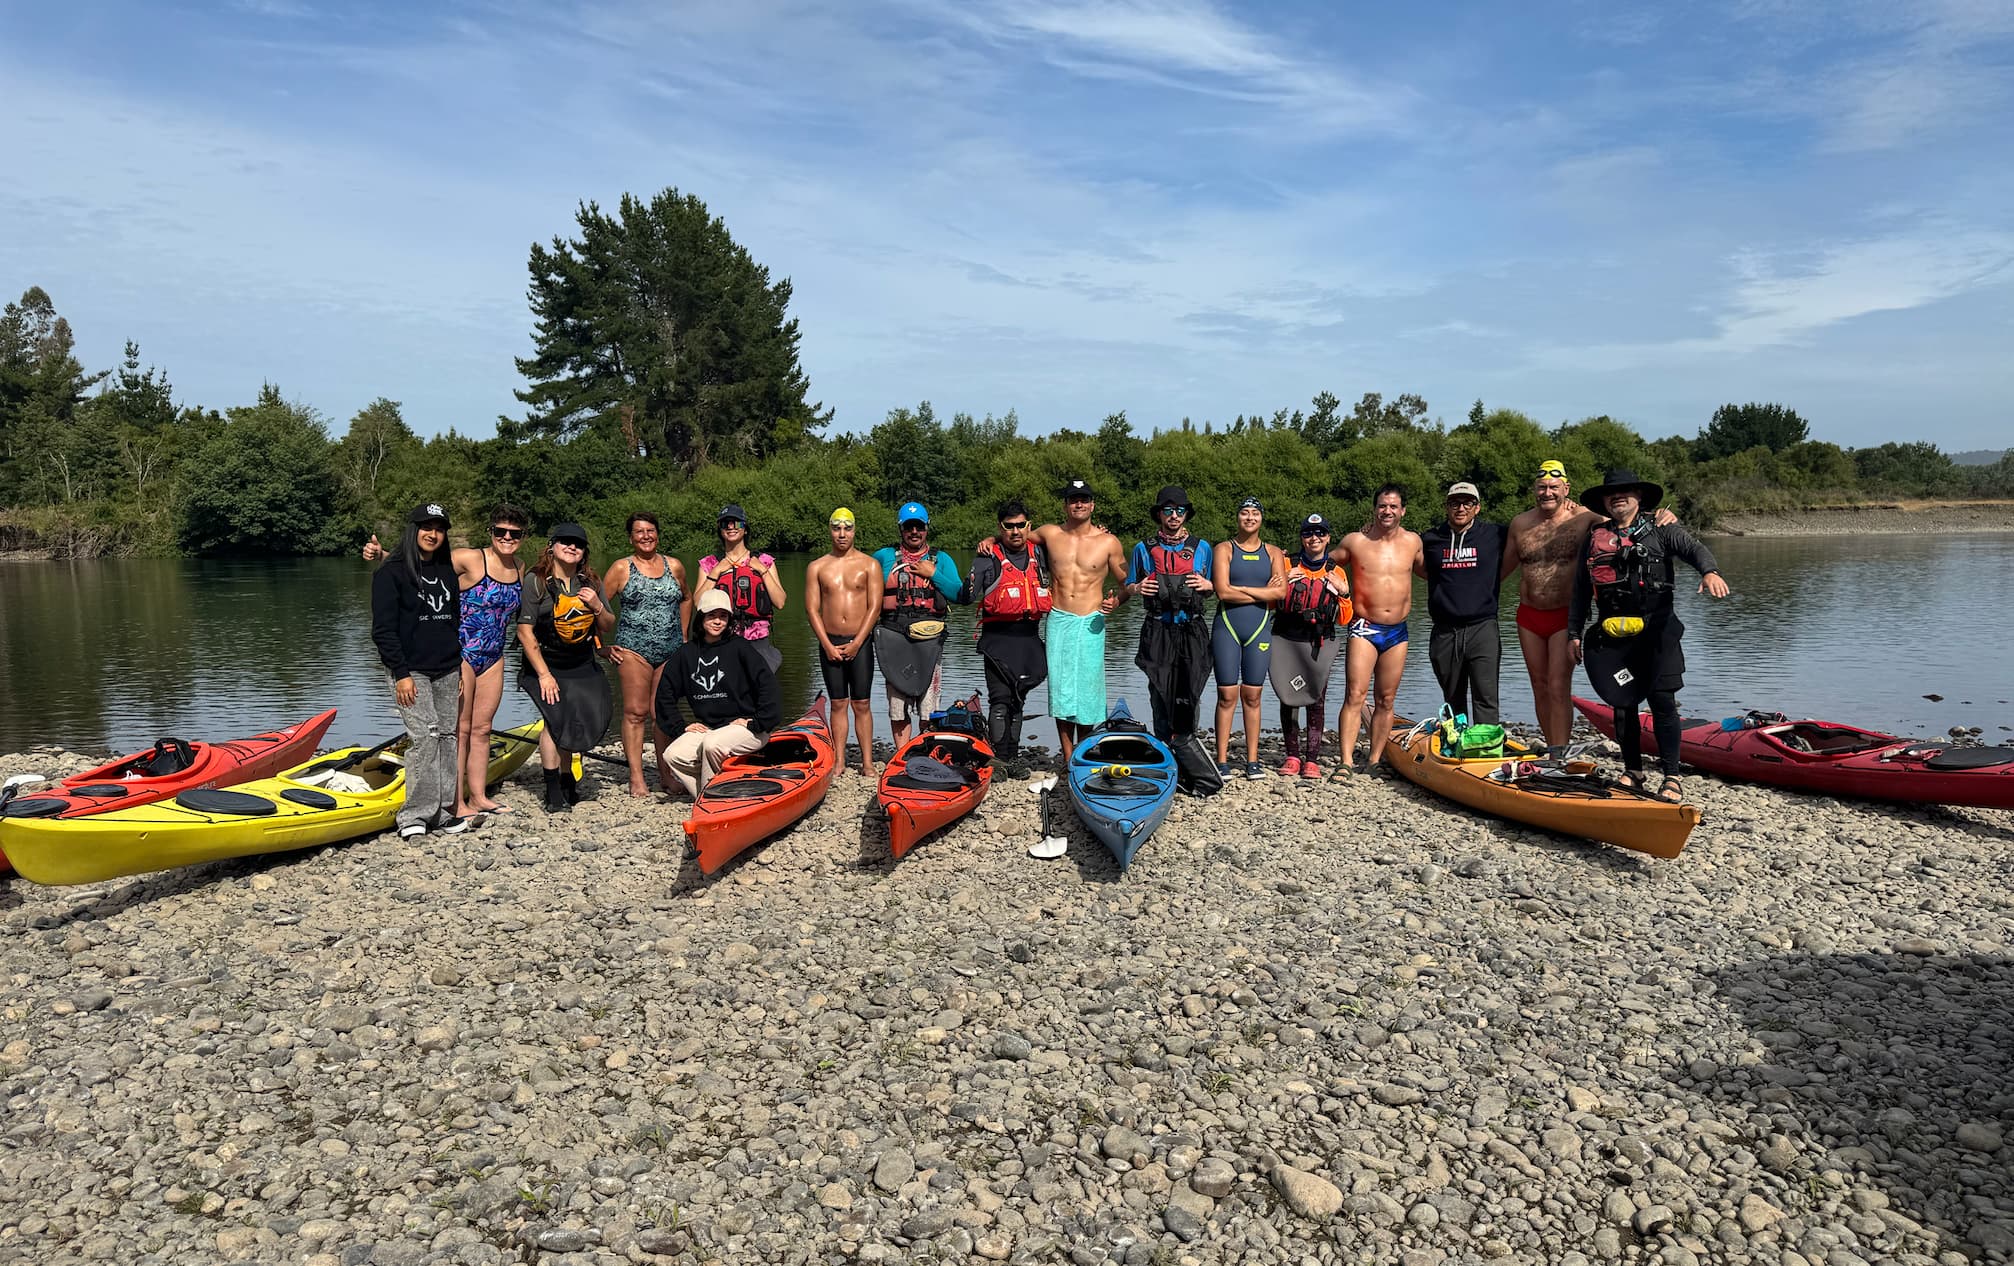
<point>1482,741</point>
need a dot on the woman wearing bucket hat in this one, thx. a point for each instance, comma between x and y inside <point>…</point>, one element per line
<point>559,622</point>
<point>1633,653</point>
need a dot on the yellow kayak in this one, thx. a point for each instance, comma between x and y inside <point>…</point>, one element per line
<point>1570,799</point>
<point>293,810</point>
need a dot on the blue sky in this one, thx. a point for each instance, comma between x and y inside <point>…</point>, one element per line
<point>1172,207</point>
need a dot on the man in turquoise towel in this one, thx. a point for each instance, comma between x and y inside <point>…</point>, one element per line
<point>1082,559</point>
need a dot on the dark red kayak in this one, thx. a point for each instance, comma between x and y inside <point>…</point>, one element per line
<point>1838,760</point>
<point>169,768</point>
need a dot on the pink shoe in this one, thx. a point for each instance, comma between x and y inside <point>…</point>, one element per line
<point>1290,767</point>
<point>1311,769</point>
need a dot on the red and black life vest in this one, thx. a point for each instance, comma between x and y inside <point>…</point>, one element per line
<point>1618,564</point>
<point>1173,561</point>
<point>746,594</point>
<point>907,595</point>
<point>1017,593</point>
<point>1310,602</point>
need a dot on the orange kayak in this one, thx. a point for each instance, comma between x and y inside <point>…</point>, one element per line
<point>169,767</point>
<point>759,793</point>
<point>1570,799</point>
<point>923,797</point>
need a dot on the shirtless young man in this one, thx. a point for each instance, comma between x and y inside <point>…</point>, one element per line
<point>842,597</point>
<point>1082,557</point>
<point>1547,541</point>
<point>1381,559</point>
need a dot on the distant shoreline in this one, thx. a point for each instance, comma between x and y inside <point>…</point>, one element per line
<point>1895,518</point>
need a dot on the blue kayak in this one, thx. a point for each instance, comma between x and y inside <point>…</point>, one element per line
<point>1122,780</point>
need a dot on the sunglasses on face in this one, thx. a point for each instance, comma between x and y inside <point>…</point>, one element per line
<point>1173,512</point>
<point>581,545</point>
<point>915,527</point>
<point>1312,533</point>
<point>507,534</point>
<point>1014,527</point>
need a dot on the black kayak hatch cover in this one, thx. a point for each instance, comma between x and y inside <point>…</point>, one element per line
<point>743,789</point>
<point>35,807</point>
<point>235,803</point>
<point>310,797</point>
<point>1971,758</point>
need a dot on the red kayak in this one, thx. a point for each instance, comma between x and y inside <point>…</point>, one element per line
<point>1838,760</point>
<point>937,778</point>
<point>758,793</point>
<point>169,768</point>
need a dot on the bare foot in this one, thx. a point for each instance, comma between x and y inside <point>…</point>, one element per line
<point>640,790</point>
<point>483,806</point>
<point>867,770</point>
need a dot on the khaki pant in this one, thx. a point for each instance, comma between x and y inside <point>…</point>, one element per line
<point>695,757</point>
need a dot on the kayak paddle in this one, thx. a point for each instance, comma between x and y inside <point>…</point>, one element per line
<point>1049,846</point>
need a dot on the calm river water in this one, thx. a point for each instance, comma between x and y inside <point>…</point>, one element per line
<point>109,655</point>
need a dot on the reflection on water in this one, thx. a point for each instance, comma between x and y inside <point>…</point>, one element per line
<point>114,653</point>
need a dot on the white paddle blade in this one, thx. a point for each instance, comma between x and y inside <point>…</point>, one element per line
<point>21,780</point>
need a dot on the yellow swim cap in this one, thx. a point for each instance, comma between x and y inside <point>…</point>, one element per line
<point>1554,469</point>
<point>842,515</point>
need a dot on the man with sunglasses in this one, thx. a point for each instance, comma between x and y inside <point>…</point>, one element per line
<point>917,587</point>
<point>1172,576</point>
<point>1011,582</point>
<point>1463,562</point>
<point>1547,543</point>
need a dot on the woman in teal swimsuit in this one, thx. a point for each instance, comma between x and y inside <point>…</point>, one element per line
<point>650,621</point>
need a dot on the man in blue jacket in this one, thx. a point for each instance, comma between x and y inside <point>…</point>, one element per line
<point>918,586</point>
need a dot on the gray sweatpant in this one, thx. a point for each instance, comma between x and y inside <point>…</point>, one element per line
<point>1466,661</point>
<point>430,749</point>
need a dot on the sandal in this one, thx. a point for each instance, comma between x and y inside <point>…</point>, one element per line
<point>1670,790</point>
<point>1629,780</point>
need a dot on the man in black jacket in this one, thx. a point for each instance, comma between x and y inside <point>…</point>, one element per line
<point>1463,563</point>
<point>730,689</point>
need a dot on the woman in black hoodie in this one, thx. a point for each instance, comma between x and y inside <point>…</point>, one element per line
<point>416,616</point>
<point>728,685</point>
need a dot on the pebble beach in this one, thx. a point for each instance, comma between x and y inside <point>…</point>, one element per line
<point>1314,1023</point>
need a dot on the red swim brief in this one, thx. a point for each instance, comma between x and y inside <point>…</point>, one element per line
<point>1544,621</point>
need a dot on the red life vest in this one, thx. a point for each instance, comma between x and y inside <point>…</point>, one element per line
<point>1616,563</point>
<point>1174,563</point>
<point>746,594</point>
<point>907,595</point>
<point>1017,593</point>
<point>1311,601</point>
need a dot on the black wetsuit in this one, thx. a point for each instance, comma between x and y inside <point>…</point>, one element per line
<point>1648,666</point>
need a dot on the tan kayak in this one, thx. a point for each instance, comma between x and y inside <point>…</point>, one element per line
<point>1522,786</point>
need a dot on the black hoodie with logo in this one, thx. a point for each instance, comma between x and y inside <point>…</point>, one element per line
<point>416,621</point>
<point>719,682</point>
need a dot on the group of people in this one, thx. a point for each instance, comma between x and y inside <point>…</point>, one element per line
<point>698,670</point>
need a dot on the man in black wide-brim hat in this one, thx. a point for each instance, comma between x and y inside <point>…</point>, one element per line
<point>1633,653</point>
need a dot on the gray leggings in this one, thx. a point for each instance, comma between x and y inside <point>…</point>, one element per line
<point>430,749</point>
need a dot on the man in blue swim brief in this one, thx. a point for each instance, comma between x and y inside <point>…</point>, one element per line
<point>1382,559</point>
<point>1382,636</point>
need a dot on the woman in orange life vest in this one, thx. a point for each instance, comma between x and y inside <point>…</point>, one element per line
<point>559,621</point>
<point>1010,582</point>
<point>1633,654</point>
<point>1305,645</point>
<point>754,590</point>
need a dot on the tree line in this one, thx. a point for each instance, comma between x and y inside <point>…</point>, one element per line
<point>665,376</point>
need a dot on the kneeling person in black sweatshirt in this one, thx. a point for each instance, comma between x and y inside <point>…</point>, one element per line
<point>729,689</point>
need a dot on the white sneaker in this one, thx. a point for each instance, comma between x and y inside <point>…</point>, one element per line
<point>409,832</point>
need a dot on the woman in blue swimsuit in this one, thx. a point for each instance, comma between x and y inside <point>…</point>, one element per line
<point>1250,576</point>
<point>492,582</point>
<point>652,611</point>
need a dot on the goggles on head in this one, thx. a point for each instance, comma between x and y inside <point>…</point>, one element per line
<point>1552,470</point>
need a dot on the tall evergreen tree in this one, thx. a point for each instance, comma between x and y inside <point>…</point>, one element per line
<point>656,321</point>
